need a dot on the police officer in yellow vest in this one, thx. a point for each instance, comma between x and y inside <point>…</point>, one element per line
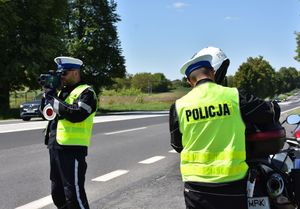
<point>68,135</point>
<point>207,128</point>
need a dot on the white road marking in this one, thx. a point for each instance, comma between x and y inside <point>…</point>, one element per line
<point>15,127</point>
<point>34,125</point>
<point>152,160</point>
<point>123,131</point>
<point>290,110</point>
<point>110,175</point>
<point>37,203</point>
<point>172,151</point>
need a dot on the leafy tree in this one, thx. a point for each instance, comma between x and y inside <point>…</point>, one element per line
<point>30,37</point>
<point>297,57</point>
<point>92,36</point>
<point>149,83</point>
<point>256,76</point>
<point>142,81</point>
<point>177,83</point>
<point>184,82</point>
<point>298,82</point>
<point>231,81</point>
<point>33,32</point>
<point>122,83</point>
<point>160,83</point>
<point>287,79</point>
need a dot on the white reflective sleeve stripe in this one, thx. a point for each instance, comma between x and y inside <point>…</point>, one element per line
<point>77,186</point>
<point>56,106</point>
<point>85,106</point>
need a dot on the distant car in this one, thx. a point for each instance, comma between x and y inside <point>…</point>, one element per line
<point>30,110</point>
<point>277,100</point>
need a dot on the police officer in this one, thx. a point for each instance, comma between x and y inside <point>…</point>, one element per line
<point>68,135</point>
<point>207,127</point>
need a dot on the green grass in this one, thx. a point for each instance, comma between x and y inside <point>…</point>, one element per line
<point>297,111</point>
<point>134,107</point>
<point>157,101</point>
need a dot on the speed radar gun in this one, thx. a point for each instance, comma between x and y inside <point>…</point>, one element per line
<point>49,81</point>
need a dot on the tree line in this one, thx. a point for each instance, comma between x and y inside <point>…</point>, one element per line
<point>257,76</point>
<point>145,82</point>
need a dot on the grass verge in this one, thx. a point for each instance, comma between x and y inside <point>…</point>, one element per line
<point>158,101</point>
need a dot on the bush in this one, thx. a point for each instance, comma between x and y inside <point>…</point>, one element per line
<point>140,99</point>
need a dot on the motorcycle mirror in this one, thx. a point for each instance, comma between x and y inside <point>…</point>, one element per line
<point>293,119</point>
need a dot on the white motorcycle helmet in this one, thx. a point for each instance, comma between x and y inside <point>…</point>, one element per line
<point>208,57</point>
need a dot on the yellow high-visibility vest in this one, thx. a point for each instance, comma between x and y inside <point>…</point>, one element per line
<point>79,133</point>
<point>213,135</point>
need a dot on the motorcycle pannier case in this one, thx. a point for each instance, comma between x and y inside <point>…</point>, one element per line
<point>264,141</point>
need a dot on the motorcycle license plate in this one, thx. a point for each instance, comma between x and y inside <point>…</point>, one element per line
<point>258,203</point>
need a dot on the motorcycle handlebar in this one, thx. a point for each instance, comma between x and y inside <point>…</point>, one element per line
<point>293,142</point>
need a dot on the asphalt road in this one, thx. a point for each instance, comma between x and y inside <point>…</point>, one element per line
<point>129,163</point>
<point>118,147</point>
<point>292,103</point>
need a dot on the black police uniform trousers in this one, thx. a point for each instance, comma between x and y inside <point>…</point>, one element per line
<point>230,195</point>
<point>67,175</point>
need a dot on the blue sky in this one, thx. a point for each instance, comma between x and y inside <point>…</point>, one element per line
<point>160,35</point>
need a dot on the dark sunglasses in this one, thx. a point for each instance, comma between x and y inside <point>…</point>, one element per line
<point>65,72</point>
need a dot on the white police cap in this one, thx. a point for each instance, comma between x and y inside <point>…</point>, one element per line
<point>68,63</point>
<point>207,57</point>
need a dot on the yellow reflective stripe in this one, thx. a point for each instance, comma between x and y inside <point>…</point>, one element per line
<point>195,169</point>
<point>201,157</point>
<point>75,93</point>
<point>81,134</point>
<point>73,129</point>
<point>74,141</point>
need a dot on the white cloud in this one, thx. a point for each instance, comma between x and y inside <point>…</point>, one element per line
<point>179,5</point>
<point>229,18</point>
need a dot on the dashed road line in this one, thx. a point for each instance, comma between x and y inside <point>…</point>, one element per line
<point>110,175</point>
<point>37,204</point>
<point>40,203</point>
<point>172,151</point>
<point>152,160</point>
<point>123,131</point>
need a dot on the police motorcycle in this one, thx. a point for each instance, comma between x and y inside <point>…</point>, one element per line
<point>274,167</point>
<point>49,81</point>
